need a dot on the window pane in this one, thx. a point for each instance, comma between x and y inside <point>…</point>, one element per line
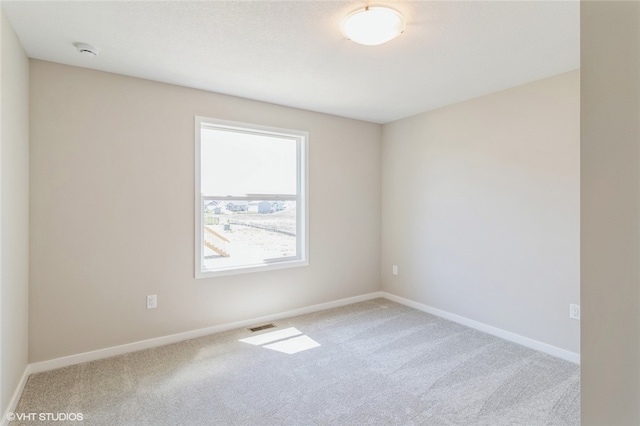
<point>242,233</point>
<point>235,163</point>
<point>250,198</point>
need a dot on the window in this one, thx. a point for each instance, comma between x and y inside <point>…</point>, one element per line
<point>251,198</point>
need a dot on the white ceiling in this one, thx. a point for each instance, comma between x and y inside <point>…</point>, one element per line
<point>292,52</point>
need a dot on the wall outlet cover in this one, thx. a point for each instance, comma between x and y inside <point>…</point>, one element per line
<point>152,301</point>
<point>574,312</point>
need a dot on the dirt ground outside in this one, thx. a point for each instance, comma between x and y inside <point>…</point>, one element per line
<point>254,237</point>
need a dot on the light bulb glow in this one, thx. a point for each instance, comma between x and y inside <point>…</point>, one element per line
<point>373,26</point>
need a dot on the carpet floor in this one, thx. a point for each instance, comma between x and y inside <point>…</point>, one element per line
<point>375,362</point>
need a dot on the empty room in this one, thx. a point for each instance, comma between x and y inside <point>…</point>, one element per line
<point>320,212</point>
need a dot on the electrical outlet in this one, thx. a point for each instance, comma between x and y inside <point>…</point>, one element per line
<point>152,301</point>
<point>574,312</point>
<point>394,270</point>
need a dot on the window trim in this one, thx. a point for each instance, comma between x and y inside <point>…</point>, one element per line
<point>302,197</point>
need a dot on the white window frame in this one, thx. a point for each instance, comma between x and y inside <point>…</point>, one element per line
<point>301,198</point>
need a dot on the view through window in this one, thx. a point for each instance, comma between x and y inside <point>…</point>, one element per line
<point>251,197</point>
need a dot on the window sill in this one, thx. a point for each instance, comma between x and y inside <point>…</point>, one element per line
<point>263,267</point>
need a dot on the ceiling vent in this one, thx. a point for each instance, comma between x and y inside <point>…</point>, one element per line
<point>86,49</point>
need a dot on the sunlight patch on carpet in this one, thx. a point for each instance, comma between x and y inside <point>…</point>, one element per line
<point>294,345</point>
<point>262,339</point>
<point>288,341</point>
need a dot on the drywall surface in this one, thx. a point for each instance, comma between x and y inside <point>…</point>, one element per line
<point>14,212</point>
<point>112,219</point>
<point>610,195</point>
<point>481,209</point>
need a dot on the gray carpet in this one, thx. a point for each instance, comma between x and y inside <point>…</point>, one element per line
<point>378,363</point>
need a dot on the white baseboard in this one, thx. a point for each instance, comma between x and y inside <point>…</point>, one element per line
<point>16,395</point>
<point>179,337</point>
<point>507,335</point>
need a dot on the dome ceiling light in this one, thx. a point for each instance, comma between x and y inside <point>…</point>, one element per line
<point>373,25</point>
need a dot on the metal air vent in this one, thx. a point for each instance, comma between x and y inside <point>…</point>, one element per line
<point>261,327</point>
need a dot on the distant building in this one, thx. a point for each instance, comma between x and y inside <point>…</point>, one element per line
<point>211,205</point>
<point>237,206</point>
<point>265,207</point>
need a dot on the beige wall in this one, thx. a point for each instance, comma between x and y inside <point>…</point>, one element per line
<point>14,212</point>
<point>112,216</point>
<point>610,159</point>
<point>481,209</point>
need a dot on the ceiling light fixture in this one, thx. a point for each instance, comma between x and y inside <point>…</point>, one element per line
<point>86,49</point>
<point>373,25</point>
